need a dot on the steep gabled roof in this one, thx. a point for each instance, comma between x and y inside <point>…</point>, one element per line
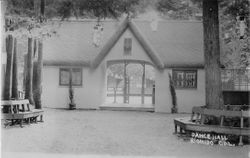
<point>128,24</point>
<point>174,44</point>
<point>179,43</point>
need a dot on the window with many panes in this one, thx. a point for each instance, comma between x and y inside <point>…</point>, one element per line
<point>185,78</point>
<point>127,46</point>
<point>66,73</point>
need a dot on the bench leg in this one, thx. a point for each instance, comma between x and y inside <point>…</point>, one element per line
<point>6,123</point>
<point>35,119</point>
<point>240,141</point>
<point>41,118</point>
<point>21,123</point>
<point>175,129</point>
<point>12,122</point>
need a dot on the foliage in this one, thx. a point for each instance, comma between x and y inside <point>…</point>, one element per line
<point>96,8</point>
<point>24,18</point>
<point>178,9</point>
<point>235,51</point>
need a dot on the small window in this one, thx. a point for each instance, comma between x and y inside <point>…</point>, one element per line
<point>185,78</point>
<point>66,73</point>
<point>127,46</point>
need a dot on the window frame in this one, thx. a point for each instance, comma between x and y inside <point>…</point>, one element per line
<point>185,71</point>
<point>70,70</point>
<point>127,46</point>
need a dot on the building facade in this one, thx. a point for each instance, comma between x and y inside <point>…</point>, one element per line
<point>127,63</point>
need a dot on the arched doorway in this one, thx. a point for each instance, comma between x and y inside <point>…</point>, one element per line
<point>130,82</point>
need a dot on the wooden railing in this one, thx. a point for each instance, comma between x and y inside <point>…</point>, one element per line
<point>235,79</point>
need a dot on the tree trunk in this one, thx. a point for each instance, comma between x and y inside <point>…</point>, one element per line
<point>214,98</point>
<point>29,77</point>
<point>42,7</point>
<point>15,73</point>
<point>9,67</point>
<point>25,70</point>
<point>38,77</point>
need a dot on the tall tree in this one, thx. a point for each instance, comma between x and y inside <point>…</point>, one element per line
<point>37,89</point>
<point>23,13</point>
<point>214,98</point>
<point>29,74</point>
<point>9,68</point>
<point>15,72</point>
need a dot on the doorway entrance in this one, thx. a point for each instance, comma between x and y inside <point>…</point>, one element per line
<point>130,82</point>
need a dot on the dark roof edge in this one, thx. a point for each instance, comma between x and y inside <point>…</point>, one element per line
<point>146,45</point>
<point>198,66</point>
<point>111,42</point>
<point>66,63</point>
<point>87,64</point>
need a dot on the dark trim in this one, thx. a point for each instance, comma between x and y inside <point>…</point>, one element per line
<point>111,42</point>
<point>185,66</point>
<point>70,71</point>
<point>66,63</point>
<point>185,71</point>
<point>130,94</point>
<point>146,45</point>
<point>128,61</point>
<point>127,46</point>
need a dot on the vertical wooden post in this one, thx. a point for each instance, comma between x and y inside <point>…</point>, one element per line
<point>29,77</point>
<point>241,126</point>
<point>42,7</point>
<point>15,94</point>
<point>24,71</point>
<point>9,67</point>
<point>143,83</point>
<point>125,84</point>
<point>37,88</point>
<point>221,120</point>
<point>214,97</point>
<point>175,128</point>
<point>153,94</point>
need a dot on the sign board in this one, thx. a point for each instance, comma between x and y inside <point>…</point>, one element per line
<point>210,139</point>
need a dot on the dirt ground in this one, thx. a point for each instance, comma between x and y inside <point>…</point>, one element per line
<point>82,133</point>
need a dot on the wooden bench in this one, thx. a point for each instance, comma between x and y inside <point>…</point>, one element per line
<point>18,111</point>
<point>197,122</point>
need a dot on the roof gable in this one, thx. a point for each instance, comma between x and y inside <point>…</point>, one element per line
<point>127,23</point>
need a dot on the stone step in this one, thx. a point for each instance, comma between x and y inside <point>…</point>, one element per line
<point>122,107</point>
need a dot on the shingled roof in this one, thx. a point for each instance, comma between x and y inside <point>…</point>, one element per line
<point>174,44</point>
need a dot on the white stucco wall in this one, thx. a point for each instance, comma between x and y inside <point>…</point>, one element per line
<point>87,96</point>
<point>93,91</point>
<point>186,98</point>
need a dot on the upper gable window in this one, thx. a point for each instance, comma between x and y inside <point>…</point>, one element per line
<point>127,46</point>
